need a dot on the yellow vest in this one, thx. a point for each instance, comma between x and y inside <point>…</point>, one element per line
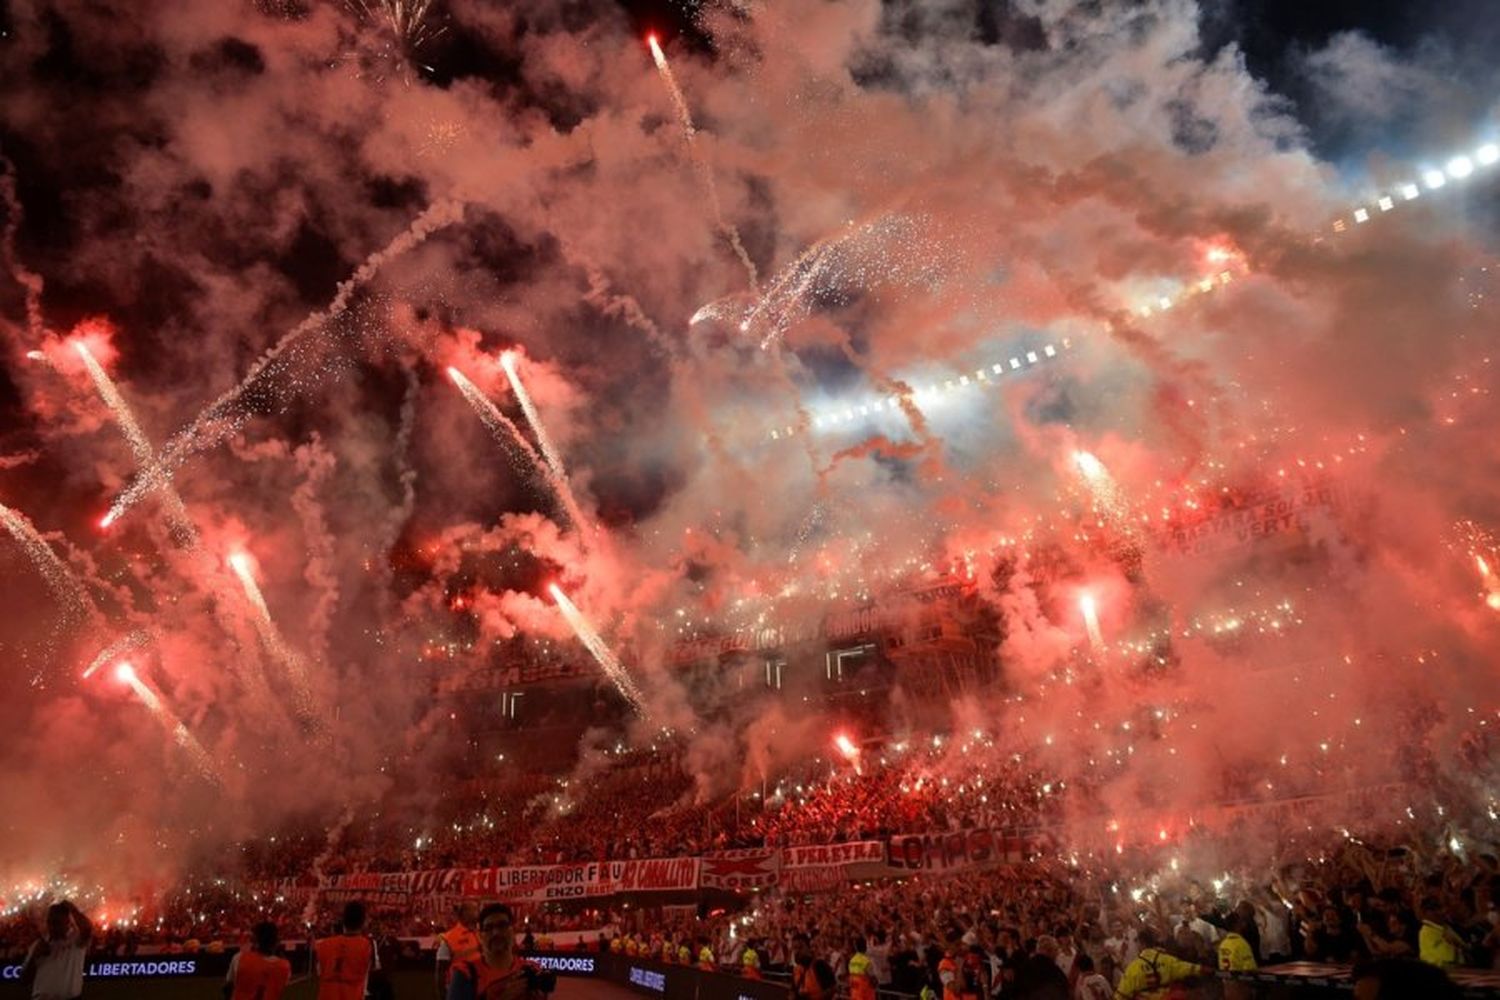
<point>1434,946</point>
<point>1235,954</point>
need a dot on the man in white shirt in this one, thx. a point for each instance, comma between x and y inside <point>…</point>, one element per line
<point>54,966</point>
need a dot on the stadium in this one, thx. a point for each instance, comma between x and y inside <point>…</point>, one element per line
<point>826,498</point>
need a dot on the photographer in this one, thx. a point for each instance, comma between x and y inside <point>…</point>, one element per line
<point>499,973</point>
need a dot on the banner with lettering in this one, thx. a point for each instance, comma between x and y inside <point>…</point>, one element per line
<point>823,867</point>
<point>739,870</point>
<point>959,849</point>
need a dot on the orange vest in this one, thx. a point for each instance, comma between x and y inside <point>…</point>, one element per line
<point>463,944</point>
<point>260,977</point>
<point>805,984</point>
<point>344,966</point>
<point>485,976</point>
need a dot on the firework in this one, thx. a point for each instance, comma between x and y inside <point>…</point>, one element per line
<point>557,473</point>
<point>407,26</point>
<point>846,746</point>
<point>140,446</point>
<point>125,674</point>
<point>1109,502</point>
<point>60,579</point>
<point>504,430</point>
<point>270,635</point>
<point>700,165</point>
<point>1090,611</point>
<point>613,668</point>
<point>1491,582</point>
<point>135,640</point>
<point>227,414</point>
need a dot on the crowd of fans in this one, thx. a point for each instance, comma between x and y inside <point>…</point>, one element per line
<point>1431,895</point>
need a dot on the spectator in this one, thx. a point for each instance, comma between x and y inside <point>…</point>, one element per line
<point>1091,985</point>
<point>53,969</point>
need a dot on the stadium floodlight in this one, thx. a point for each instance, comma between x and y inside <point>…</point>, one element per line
<point>1050,351</point>
<point>1487,154</point>
<point>997,368</point>
<point>1434,179</point>
<point>1386,204</point>
<point>1460,167</point>
<point>1361,215</point>
<point>1031,357</point>
<point>1410,192</point>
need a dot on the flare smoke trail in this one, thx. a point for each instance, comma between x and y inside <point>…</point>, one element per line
<point>559,474</point>
<point>169,721</point>
<point>275,644</point>
<point>700,165</point>
<point>135,640</point>
<point>140,446</point>
<point>222,417</point>
<point>29,280</point>
<point>592,641</point>
<point>60,580</point>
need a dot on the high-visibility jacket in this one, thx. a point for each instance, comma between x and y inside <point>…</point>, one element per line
<point>706,959</point>
<point>344,963</point>
<point>1235,954</point>
<point>952,986</point>
<point>1148,975</point>
<point>259,977</point>
<point>480,980</point>
<point>1434,947</point>
<point>463,944</point>
<point>684,955</point>
<point>751,964</point>
<point>861,977</point>
<point>805,985</point>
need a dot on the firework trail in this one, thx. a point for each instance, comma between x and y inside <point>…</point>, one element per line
<point>140,446</point>
<point>888,249</point>
<point>1108,500</point>
<point>29,280</point>
<point>60,580</point>
<point>509,436</point>
<point>700,165</point>
<point>135,640</point>
<point>559,475</point>
<point>225,415</point>
<point>271,636</point>
<point>1090,611</point>
<point>592,641</point>
<point>498,424</point>
<point>126,675</point>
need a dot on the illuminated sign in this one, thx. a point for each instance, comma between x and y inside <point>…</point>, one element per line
<point>645,977</point>
<point>117,970</point>
<point>566,965</point>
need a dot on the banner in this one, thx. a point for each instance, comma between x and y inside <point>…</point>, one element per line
<point>736,871</point>
<point>825,867</point>
<point>956,850</point>
<point>651,875</point>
